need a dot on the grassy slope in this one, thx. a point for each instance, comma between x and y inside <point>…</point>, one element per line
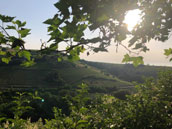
<point>128,72</point>
<point>47,71</point>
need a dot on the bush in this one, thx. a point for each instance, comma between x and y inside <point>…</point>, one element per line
<point>149,108</point>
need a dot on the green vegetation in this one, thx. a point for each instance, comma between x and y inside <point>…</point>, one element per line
<point>30,93</point>
<point>33,92</point>
<point>150,107</point>
<point>48,73</point>
<point>73,18</point>
<point>128,72</point>
<point>11,45</point>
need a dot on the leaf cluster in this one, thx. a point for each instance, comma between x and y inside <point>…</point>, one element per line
<point>10,45</point>
<point>75,17</point>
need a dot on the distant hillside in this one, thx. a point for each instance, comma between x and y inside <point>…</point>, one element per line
<point>128,72</point>
<point>48,73</point>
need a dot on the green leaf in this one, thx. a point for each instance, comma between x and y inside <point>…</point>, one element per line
<point>2,39</point>
<point>144,49</point>
<point>59,59</point>
<point>6,59</point>
<point>73,57</point>
<point>74,53</point>
<point>135,60</point>
<point>78,33</point>
<point>68,120</point>
<point>54,46</point>
<point>55,21</point>
<point>1,35</point>
<point>23,24</point>
<point>4,18</point>
<point>13,53</point>
<point>170,59</point>
<point>17,48</point>
<point>82,121</point>
<point>126,58</point>
<point>24,32</point>
<point>48,21</point>
<point>11,27</point>
<point>19,23</point>
<point>83,110</point>
<point>2,119</point>
<point>25,54</point>
<point>168,52</point>
<point>28,63</point>
<point>63,6</point>
<point>2,53</point>
<point>139,45</point>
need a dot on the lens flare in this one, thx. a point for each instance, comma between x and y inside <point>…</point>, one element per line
<point>132,18</point>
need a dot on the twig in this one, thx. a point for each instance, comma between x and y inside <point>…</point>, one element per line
<point>128,49</point>
<point>5,31</point>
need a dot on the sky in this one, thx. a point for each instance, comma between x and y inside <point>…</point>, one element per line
<point>35,12</point>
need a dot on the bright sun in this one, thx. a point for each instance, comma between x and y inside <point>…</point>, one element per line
<point>132,18</point>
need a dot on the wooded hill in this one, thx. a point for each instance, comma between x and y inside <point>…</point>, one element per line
<point>53,80</point>
<point>49,73</point>
<point>128,72</point>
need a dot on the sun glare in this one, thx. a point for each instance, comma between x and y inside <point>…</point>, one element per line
<point>132,18</point>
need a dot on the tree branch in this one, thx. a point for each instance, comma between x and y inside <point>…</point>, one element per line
<point>4,31</point>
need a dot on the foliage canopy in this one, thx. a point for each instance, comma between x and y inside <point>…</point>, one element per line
<point>76,17</point>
